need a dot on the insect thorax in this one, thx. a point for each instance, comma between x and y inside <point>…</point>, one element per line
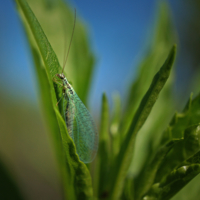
<point>68,87</point>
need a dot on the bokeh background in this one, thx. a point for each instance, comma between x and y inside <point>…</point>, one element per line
<point>119,35</point>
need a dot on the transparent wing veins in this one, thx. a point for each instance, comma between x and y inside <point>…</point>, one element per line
<point>82,129</point>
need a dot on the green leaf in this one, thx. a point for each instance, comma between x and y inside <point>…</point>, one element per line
<point>75,175</point>
<point>183,153</point>
<point>116,136</point>
<point>79,180</point>
<point>161,44</point>
<point>156,51</point>
<point>175,181</point>
<point>193,159</point>
<point>52,122</point>
<point>103,156</point>
<point>176,130</point>
<point>8,187</point>
<point>123,159</point>
<point>73,169</point>
<point>128,192</point>
<point>57,20</point>
<point>49,58</point>
<point>179,122</point>
<point>146,177</point>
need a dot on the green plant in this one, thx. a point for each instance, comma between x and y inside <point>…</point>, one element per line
<point>172,154</point>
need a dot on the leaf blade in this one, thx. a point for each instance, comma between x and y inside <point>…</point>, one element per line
<point>103,160</point>
<point>76,178</point>
<point>124,158</point>
<point>147,175</point>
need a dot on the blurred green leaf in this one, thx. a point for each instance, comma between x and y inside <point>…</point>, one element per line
<point>116,136</point>
<point>193,159</point>
<point>123,159</point>
<point>103,157</point>
<point>75,175</point>
<point>128,192</point>
<point>8,187</point>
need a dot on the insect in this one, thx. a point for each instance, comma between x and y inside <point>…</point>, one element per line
<point>79,122</point>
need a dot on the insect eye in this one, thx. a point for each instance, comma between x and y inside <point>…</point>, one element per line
<point>60,76</point>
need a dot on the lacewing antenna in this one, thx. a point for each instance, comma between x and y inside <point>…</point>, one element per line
<point>65,59</point>
<point>79,122</point>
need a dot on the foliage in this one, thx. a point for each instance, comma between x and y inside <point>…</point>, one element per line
<point>9,188</point>
<point>139,156</point>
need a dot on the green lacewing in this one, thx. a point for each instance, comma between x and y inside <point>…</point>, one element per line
<point>79,122</point>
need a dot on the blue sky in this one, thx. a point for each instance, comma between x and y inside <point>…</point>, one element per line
<point>118,33</point>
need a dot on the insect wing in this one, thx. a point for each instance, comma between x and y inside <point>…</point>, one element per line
<point>82,129</point>
<point>70,118</point>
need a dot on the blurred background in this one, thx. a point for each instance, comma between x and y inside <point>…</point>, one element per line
<point>119,35</point>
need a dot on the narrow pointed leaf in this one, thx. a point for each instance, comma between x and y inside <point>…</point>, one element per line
<point>103,157</point>
<point>57,20</point>
<point>164,38</point>
<point>126,152</point>
<point>116,135</point>
<point>78,184</point>
<point>155,52</point>
<point>53,123</point>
